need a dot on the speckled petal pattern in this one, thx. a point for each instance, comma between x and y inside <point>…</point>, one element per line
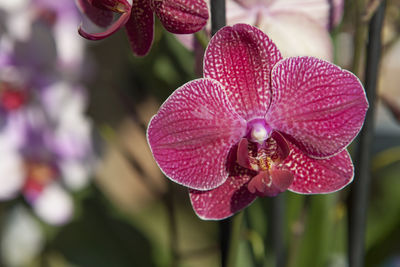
<point>181,16</point>
<point>193,132</point>
<point>140,27</point>
<point>318,176</point>
<point>225,200</point>
<point>316,104</point>
<point>241,57</point>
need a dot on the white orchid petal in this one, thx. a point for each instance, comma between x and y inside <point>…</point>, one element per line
<point>297,35</point>
<point>54,205</point>
<point>22,238</point>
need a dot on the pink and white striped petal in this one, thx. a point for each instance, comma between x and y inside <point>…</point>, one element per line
<point>140,27</point>
<point>318,176</point>
<point>225,200</point>
<point>100,17</point>
<point>181,16</point>
<point>193,132</point>
<point>241,57</point>
<point>316,104</point>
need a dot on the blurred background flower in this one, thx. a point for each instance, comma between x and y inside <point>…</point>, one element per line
<point>298,28</point>
<point>44,126</point>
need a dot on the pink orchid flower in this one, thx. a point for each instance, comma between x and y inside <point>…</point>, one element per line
<point>257,125</point>
<point>177,16</point>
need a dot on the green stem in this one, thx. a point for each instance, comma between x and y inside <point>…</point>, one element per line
<point>359,195</point>
<point>236,226</point>
<point>202,38</point>
<point>359,35</point>
<point>173,240</point>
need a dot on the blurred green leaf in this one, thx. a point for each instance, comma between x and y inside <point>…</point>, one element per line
<point>99,239</point>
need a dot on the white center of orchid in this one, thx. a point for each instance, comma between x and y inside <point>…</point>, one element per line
<point>259,133</point>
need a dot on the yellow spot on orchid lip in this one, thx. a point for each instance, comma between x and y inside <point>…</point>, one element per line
<point>264,165</point>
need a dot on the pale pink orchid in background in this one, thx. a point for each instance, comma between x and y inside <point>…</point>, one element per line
<point>177,16</point>
<point>257,125</point>
<point>44,156</point>
<point>298,27</point>
<point>45,136</point>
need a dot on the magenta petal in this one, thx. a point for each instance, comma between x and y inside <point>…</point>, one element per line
<point>317,176</point>
<point>225,200</point>
<point>241,57</point>
<point>242,156</point>
<point>320,106</point>
<point>260,184</point>
<point>111,30</point>
<point>193,132</point>
<point>182,16</point>
<point>283,147</point>
<point>100,17</point>
<point>140,27</point>
<point>281,178</point>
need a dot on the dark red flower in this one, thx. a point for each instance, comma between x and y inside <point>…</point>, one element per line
<point>177,16</point>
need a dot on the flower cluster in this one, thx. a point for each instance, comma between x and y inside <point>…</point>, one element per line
<point>177,16</point>
<point>257,125</point>
<point>45,140</point>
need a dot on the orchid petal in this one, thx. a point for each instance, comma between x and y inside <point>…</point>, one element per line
<point>241,57</point>
<point>225,200</point>
<point>100,17</point>
<point>140,27</point>
<point>281,178</point>
<point>243,154</point>
<point>11,172</point>
<point>237,12</point>
<point>193,132</point>
<point>54,205</point>
<point>321,11</point>
<point>22,237</point>
<point>182,16</point>
<point>318,176</point>
<point>122,20</point>
<point>312,39</point>
<point>316,104</point>
<point>318,10</point>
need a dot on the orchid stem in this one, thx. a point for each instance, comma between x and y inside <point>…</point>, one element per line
<point>218,16</point>
<point>202,39</point>
<point>173,237</point>
<point>275,228</point>
<point>358,200</point>
<point>2,219</point>
<point>359,35</point>
<point>234,240</point>
<point>218,20</point>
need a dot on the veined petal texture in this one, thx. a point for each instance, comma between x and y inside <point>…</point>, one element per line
<point>319,106</point>
<point>225,200</point>
<point>193,132</point>
<point>318,176</point>
<point>241,57</point>
<point>140,27</point>
<point>182,16</point>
